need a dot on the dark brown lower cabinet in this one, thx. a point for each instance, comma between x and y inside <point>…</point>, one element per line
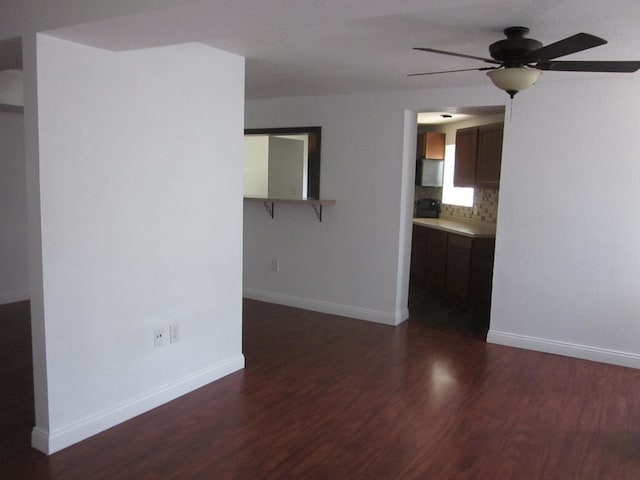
<point>481,275</point>
<point>418,254</point>
<point>458,267</point>
<point>454,266</point>
<point>436,260</point>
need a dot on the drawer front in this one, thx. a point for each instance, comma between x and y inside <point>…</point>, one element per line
<point>436,237</point>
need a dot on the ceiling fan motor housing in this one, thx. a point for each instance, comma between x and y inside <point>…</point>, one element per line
<point>515,49</point>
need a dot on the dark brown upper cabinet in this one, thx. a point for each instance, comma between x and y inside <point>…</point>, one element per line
<point>489,155</point>
<point>478,156</point>
<point>466,157</point>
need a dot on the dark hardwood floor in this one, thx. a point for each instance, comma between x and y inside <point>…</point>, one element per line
<point>441,314</point>
<point>324,397</point>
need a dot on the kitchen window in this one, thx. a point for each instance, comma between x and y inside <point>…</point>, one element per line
<point>462,196</point>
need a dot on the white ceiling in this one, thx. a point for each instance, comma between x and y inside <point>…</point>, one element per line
<point>457,114</point>
<point>316,47</point>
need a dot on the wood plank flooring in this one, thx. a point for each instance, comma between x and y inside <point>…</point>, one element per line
<point>324,397</point>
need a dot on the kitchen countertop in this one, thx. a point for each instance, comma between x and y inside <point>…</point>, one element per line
<point>461,226</point>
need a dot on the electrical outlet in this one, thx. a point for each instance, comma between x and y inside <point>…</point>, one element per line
<point>158,337</point>
<point>174,333</point>
<point>275,265</point>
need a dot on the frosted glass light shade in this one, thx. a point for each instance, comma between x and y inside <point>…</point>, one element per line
<point>514,79</point>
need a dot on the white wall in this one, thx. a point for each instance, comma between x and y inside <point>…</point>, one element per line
<point>11,88</point>
<point>348,263</point>
<point>14,272</point>
<point>567,267</point>
<point>140,187</point>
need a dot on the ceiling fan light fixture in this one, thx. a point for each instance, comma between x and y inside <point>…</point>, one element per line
<point>514,79</point>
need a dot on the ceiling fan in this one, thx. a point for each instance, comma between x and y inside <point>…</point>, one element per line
<point>519,61</point>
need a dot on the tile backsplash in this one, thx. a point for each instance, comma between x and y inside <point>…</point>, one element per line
<point>485,204</point>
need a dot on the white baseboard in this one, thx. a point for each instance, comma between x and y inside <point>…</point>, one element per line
<point>53,441</point>
<point>14,296</point>
<point>40,440</point>
<point>585,352</point>
<point>404,315</point>
<point>327,307</point>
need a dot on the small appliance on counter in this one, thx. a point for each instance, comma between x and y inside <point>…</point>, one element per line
<point>427,208</point>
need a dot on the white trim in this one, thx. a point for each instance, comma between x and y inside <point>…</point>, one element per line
<point>585,352</point>
<point>53,441</point>
<point>327,307</point>
<point>40,439</point>
<point>14,296</point>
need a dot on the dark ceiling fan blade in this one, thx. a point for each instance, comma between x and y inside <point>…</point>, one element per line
<point>590,66</point>
<point>575,43</point>
<point>453,54</point>
<point>452,71</point>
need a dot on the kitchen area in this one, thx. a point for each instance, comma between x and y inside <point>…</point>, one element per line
<point>458,160</point>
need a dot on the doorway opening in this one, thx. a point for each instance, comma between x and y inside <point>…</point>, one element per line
<point>455,216</point>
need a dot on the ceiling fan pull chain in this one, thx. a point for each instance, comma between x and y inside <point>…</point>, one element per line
<point>511,110</point>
